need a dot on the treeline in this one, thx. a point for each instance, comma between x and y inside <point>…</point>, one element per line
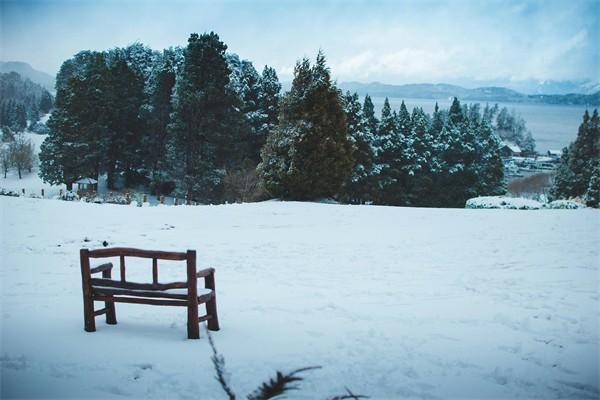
<point>21,101</point>
<point>177,120</point>
<point>201,123</point>
<point>329,145</point>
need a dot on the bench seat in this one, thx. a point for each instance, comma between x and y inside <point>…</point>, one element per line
<point>176,293</point>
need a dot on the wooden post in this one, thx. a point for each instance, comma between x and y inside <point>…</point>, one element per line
<point>127,200</point>
<point>211,305</point>
<point>23,190</point>
<point>42,193</point>
<point>88,303</point>
<point>193,326</point>
<point>111,315</point>
<point>122,267</point>
<point>162,199</point>
<point>176,201</point>
<point>154,271</point>
<point>145,199</point>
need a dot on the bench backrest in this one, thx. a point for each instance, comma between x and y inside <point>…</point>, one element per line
<point>122,252</point>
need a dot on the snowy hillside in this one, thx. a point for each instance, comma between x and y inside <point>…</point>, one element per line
<point>393,302</point>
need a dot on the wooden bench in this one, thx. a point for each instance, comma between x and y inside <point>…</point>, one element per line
<point>182,294</point>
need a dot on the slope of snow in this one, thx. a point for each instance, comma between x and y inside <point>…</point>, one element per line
<point>392,302</point>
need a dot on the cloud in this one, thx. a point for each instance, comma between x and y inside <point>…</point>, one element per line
<point>388,41</point>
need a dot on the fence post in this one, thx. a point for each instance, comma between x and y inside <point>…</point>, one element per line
<point>42,193</point>
<point>23,190</point>
<point>176,202</point>
<point>162,199</point>
<point>145,199</point>
<point>127,200</point>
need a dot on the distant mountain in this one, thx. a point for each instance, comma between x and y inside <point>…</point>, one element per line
<point>550,87</point>
<point>445,91</point>
<point>27,71</point>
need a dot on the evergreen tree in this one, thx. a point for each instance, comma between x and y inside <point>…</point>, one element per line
<point>458,178</point>
<point>437,122</point>
<point>156,116</point>
<point>358,187</point>
<point>577,175</point>
<point>268,105</point>
<point>250,87</point>
<point>392,163</point>
<point>20,118</point>
<point>419,159</point>
<point>204,143</point>
<point>78,138</point>
<point>122,102</point>
<point>488,165</point>
<point>45,103</point>
<point>309,155</point>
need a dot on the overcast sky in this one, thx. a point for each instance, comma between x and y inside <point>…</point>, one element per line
<point>388,41</point>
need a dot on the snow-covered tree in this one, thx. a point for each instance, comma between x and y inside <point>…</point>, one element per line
<point>204,141</point>
<point>21,154</point>
<point>359,185</point>
<point>577,175</point>
<point>511,127</point>
<point>309,155</point>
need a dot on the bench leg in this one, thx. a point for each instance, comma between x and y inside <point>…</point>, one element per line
<point>211,309</point>
<point>111,315</point>
<point>88,314</point>
<point>193,326</point>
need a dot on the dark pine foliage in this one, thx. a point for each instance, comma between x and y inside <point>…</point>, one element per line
<point>309,155</point>
<point>579,172</point>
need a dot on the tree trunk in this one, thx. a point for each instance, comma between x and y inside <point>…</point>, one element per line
<point>19,169</point>
<point>69,186</point>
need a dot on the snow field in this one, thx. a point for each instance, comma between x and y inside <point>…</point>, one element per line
<point>393,302</point>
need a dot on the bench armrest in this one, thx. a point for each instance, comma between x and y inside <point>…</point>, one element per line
<point>101,268</point>
<point>205,272</point>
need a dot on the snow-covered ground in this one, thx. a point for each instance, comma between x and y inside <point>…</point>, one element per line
<point>393,302</point>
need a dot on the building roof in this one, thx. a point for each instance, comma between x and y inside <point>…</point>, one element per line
<point>512,146</point>
<point>86,181</point>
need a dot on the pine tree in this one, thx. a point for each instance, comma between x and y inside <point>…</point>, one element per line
<point>437,121</point>
<point>203,138</point>
<point>268,102</point>
<point>249,94</point>
<point>457,179</point>
<point>20,118</point>
<point>420,153</point>
<point>156,116</point>
<point>309,155</point>
<point>393,163</point>
<point>122,102</point>
<point>78,139</point>
<point>577,174</point>
<point>358,187</point>
<point>488,164</point>
<point>45,102</point>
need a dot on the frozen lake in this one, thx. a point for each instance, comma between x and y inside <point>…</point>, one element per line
<point>552,126</point>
